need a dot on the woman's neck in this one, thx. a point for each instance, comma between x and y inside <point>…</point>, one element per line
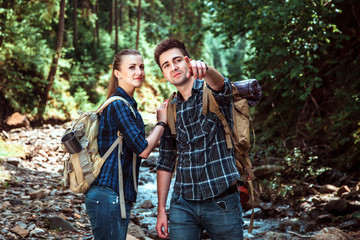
<point>128,89</point>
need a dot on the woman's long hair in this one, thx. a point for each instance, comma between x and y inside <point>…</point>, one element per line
<point>114,83</point>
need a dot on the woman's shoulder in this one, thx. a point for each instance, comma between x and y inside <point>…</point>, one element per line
<point>121,107</point>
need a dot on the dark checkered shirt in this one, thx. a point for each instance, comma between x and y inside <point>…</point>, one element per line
<point>118,117</point>
<point>205,166</point>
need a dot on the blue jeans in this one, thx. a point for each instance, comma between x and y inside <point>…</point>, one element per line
<point>221,218</point>
<point>102,205</point>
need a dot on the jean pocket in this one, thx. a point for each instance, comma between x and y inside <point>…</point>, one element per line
<point>174,199</point>
<point>228,203</point>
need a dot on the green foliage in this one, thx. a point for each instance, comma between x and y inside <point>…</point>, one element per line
<point>85,76</point>
<point>304,165</point>
<point>356,135</point>
<point>306,60</point>
<point>62,104</point>
<point>24,53</point>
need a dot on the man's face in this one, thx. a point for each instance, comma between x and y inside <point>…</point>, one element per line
<point>173,66</point>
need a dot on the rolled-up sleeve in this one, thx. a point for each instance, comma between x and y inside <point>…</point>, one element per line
<point>167,152</point>
<point>223,97</point>
<point>125,122</point>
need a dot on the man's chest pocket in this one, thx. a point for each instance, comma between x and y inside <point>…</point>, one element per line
<point>208,123</point>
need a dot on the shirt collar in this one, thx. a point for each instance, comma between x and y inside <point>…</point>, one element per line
<point>198,84</point>
<point>121,92</point>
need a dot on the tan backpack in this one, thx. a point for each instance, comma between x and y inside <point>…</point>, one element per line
<point>82,168</point>
<point>239,137</point>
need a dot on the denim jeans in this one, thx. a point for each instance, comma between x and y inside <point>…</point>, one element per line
<point>221,218</point>
<point>102,205</point>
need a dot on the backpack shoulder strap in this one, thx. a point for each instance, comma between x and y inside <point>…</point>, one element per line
<point>114,98</point>
<point>210,104</point>
<point>171,114</point>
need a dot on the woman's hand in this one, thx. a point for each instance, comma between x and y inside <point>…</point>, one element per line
<point>155,135</point>
<point>161,114</point>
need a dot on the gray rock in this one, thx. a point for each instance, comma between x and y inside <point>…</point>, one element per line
<point>21,224</point>
<point>16,202</point>
<point>37,232</point>
<point>147,204</point>
<point>331,233</point>
<point>40,194</point>
<point>136,231</point>
<point>60,223</point>
<point>276,236</point>
<point>325,218</point>
<point>13,161</point>
<point>337,207</point>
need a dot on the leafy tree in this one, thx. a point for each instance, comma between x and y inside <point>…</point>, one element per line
<point>25,51</point>
<point>305,55</point>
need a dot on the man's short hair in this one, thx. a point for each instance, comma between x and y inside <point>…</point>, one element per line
<point>168,44</point>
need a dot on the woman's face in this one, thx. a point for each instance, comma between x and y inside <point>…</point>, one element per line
<point>131,73</point>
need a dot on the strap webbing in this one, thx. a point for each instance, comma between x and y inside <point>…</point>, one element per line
<point>112,147</point>
<point>121,184</point>
<point>114,98</point>
<point>251,225</point>
<point>248,168</point>
<point>86,166</point>
<point>84,159</point>
<point>214,107</point>
<point>121,181</point>
<point>171,115</point>
<point>134,172</point>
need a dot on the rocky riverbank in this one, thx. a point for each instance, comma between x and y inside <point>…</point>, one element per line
<point>36,206</point>
<point>34,203</point>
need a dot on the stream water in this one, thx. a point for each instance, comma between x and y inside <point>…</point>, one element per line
<point>147,191</point>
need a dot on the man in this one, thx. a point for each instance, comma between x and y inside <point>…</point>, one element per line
<point>205,195</point>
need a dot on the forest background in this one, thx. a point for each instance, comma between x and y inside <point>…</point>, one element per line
<point>56,56</point>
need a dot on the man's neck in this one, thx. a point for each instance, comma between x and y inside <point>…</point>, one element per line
<point>186,89</point>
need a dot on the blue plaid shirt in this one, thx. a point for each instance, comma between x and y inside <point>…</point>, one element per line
<point>205,166</point>
<point>117,116</point>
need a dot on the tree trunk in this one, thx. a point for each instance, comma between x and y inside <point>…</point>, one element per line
<point>121,15</point>
<point>5,110</point>
<point>138,25</point>
<point>53,68</point>
<point>172,16</point>
<point>74,24</point>
<point>116,27</point>
<point>111,17</point>
<point>96,28</point>
<point>97,22</point>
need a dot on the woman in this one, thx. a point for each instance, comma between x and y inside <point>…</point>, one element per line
<point>102,199</point>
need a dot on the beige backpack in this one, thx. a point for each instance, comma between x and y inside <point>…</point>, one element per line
<point>82,168</point>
